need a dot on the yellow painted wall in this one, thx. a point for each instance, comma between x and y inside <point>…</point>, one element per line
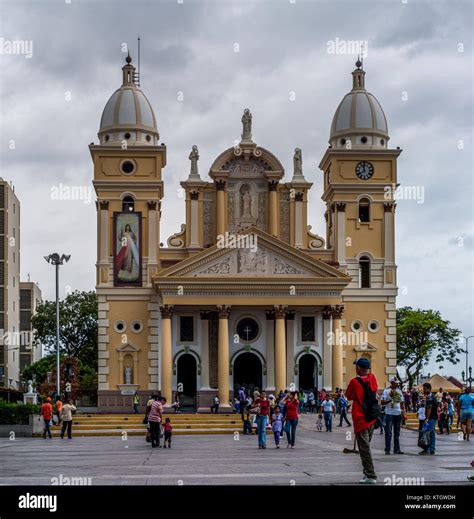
<point>128,311</point>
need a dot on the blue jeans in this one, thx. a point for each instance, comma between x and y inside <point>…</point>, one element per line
<point>432,429</point>
<point>262,430</point>
<point>328,420</point>
<point>276,435</point>
<point>394,421</point>
<point>290,428</point>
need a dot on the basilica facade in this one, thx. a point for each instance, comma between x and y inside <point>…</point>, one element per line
<point>244,293</point>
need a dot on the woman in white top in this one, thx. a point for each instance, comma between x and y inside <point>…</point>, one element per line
<point>66,417</point>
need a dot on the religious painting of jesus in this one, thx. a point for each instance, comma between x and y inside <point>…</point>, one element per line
<point>127,250</point>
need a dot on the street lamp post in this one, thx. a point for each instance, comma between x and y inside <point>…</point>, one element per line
<point>466,340</point>
<point>56,260</point>
<point>468,379</point>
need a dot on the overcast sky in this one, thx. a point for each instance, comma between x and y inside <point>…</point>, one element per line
<point>224,56</point>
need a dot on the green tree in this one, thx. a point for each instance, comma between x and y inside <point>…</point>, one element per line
<point>422,334</point>
<point>78,323</point>
<point>39,371</point>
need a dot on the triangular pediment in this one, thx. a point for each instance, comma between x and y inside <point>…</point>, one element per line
<point>127,347</point>
<point>365,347</point>
<point>253,254</point>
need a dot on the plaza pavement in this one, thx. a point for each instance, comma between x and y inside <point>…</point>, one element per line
<point>228,460</point>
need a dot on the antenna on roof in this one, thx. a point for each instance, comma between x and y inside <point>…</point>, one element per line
<point>137,74</point>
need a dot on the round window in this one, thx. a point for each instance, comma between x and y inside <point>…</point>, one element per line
<point>120,326</point>
<point>364,140</point>
<point>127,167</point>
<point>148,138</point>
<point>247,329</point>
<point>127,135</point>
<point>107,138</point>
<point>137,326</point>
<point>374,326</point>
<point>356,326</point>
<point>343,141</point>
<point>382,141</point>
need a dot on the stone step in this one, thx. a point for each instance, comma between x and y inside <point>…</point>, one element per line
<point>136,432</point>
<point>89,427</point>
<point>139,417</point>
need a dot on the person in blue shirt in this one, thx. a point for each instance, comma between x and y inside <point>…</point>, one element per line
<point>343,405</point>
<point>466,412</point>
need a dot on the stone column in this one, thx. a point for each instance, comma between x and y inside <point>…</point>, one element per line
<point>389,245</point>
<point>273,208</point>
<point>270,340</point>
<point>299,224</point>
<point>223,357</point>
<point>221,219</point>
<point>194,232</point>
<point>152,240</point>
<point>280,348</point>
<point>103,274</point>
<point>204,350</point>
<point>327,347</point>
<point>166,353</point>
<point>337,360</point>
<point>290,348</point>
<point>341,233</point>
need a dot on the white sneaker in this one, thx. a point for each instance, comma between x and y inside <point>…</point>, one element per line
<point>368,481</point>
<point>363,480</point>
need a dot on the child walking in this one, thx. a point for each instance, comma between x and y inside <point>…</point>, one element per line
<point>277,426</point>
<point>421,418</point>
<point>168,433</point>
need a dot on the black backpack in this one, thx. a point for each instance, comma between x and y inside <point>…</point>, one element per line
<point>370,403</point>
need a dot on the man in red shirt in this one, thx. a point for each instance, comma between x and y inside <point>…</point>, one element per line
<point>363,429</point>
<point>47,414</point>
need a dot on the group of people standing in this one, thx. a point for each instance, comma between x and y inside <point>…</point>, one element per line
<point>154,420</point>
<point>281,413</point>
<point>63,414</point>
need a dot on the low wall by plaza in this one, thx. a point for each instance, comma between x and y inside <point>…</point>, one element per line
<point>35,426</point>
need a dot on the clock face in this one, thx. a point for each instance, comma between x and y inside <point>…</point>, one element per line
<point>364,170</point>
<point>247,329</point>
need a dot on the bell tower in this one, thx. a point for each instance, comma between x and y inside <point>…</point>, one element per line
<point>360,178</point>
<point>128,163</point>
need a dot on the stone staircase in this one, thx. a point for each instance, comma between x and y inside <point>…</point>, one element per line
<point>412,423</point>
<point>132,424</point>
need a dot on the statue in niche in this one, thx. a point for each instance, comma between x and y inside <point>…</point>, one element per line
<point>128,375</point>
<point>246,204</point>
<point>247,126</point>
<point>194,157</point>
<point>297,163</point>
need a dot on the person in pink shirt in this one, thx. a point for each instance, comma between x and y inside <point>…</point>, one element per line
<point>155,417</point>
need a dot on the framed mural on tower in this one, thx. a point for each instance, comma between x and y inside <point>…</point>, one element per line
<point>127,249</point>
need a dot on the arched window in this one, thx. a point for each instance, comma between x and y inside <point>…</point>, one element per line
<point>364,272</point>
<point>364,210</point>
<point>128,204</point>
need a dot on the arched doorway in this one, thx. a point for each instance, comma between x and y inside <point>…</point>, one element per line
<point>308,371</point>
<point>248,371</point>
<point>186,380</point>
